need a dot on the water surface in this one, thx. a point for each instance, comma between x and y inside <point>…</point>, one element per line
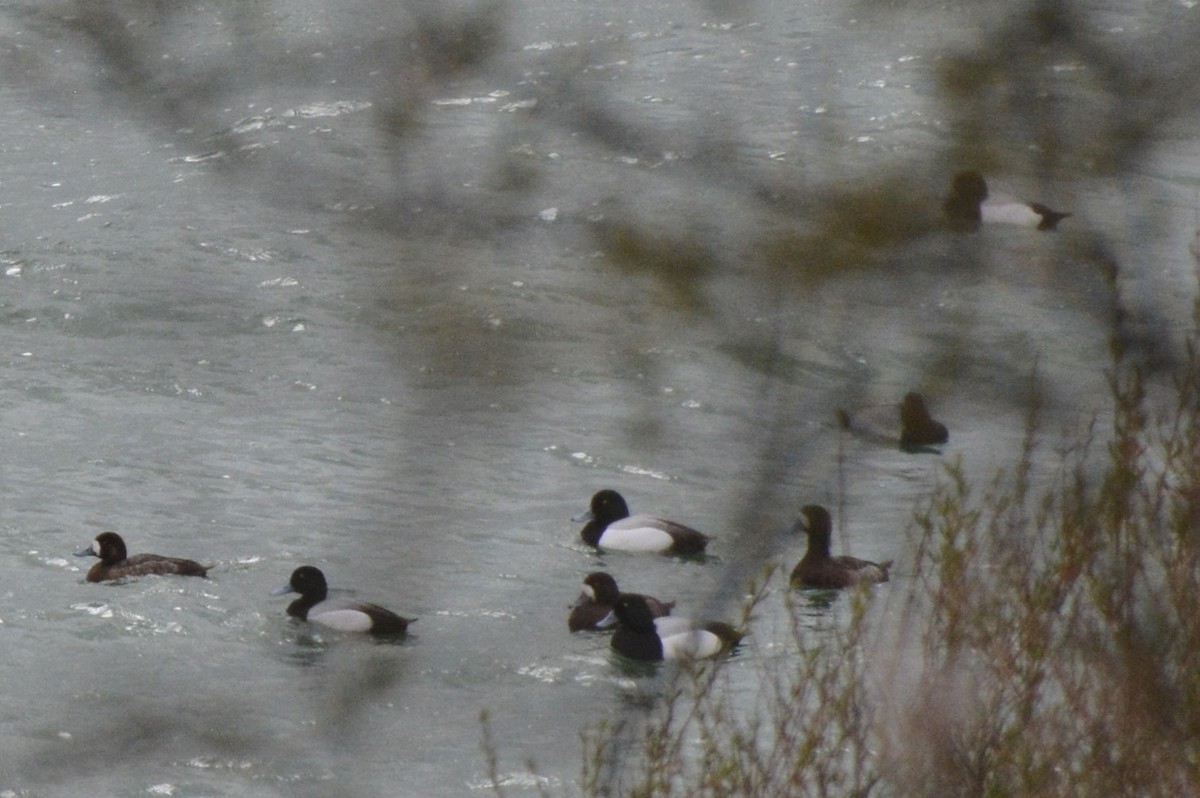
<point>250,346</point>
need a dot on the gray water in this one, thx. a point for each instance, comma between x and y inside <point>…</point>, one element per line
<point>250,329</point>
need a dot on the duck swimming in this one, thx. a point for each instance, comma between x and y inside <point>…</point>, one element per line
<point>610,526</point>
<point>641,637</point>
<point>917,426</point>
<point>116,564</point>
<point>599,597</point>
<point>818,569</point>
<point>343,615</point>
<point>967,207</point>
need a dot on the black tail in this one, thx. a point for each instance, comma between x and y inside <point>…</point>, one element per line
<point>1050,219</point>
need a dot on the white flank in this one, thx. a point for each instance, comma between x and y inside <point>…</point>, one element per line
<point>1010,213</point>
<point>636,536</point>
<point>696,644</point>
<point>673,625</point>
<point>343,620</point>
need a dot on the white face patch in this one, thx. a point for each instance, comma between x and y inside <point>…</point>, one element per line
<point>589,592</point>
<point>95,548</point>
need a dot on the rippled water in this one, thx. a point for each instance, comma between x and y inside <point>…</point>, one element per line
<point>257,373</point>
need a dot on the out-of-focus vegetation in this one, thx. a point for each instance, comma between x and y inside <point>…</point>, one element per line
<point>1042,91</point>
<point>1047,646</point>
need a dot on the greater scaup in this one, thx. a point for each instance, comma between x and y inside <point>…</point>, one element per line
<point>641,636</point>
<point>344,615</point>
<point>819,569</point>
<point>610,526</point>
<point>918,428</point>
<point>966,207</point>
<point>599,596</point>
<point>115,564</point>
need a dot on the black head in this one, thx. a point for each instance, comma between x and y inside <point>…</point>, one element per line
<point>970,186</point>
<point>967,191</point>
<point>309,582</point>
<point>608,506</point>
<point>636,637</point>
<point>604,587</point>
<point>634,614</point>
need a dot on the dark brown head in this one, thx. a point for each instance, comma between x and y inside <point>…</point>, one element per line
<point>917,426</point>
<point>108,546</point>
<point>818,525</point>
<point>603,587</point>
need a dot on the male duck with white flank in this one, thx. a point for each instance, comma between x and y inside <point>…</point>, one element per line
<point>641,637</point>
<point>818,569</point>
<point>968,206</point>
<point>599,597</point>
<point>116,564</point>
<point>610,526</point>
<point>343,615</point>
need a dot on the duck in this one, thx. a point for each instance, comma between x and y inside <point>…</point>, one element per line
<point>115,563</point>
<point>818,569</point>
<point>343,615</point>
<point>610,526</point>
<point>918,429</point>
<point>966,208</point>
<point>917,426</point>
<point>640,636</point>
<point>596,602</point>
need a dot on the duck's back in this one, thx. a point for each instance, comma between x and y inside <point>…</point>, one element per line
<point>145,564</point>
<point>834,573</point>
